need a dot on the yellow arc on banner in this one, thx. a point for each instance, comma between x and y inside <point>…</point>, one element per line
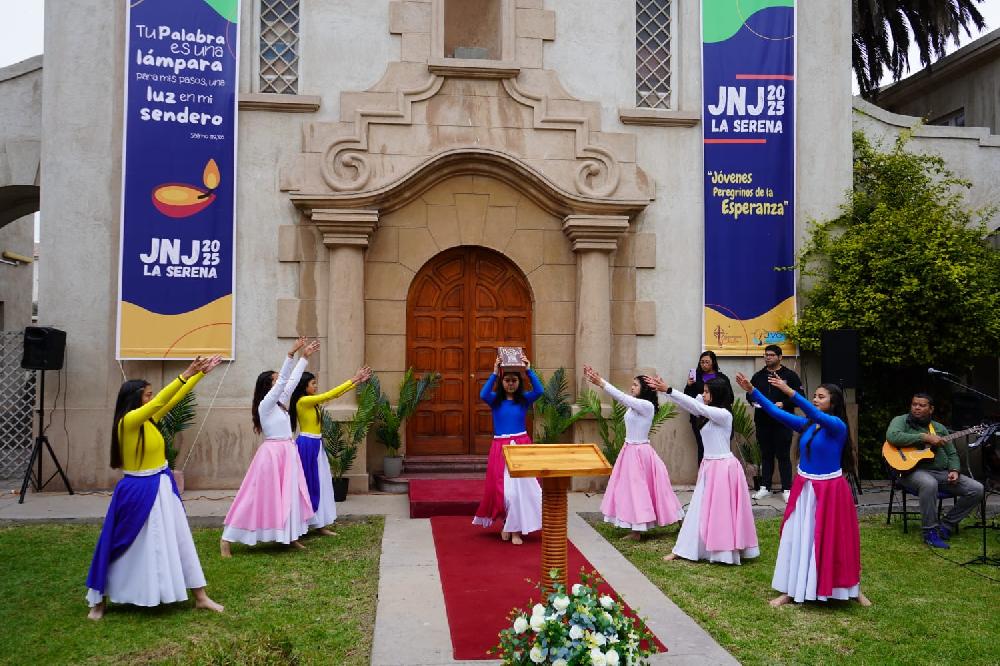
<point>728,336</point>
<point>207,330</point>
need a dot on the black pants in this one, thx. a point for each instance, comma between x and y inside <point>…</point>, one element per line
<point>775,442</point>
<point>696,428</point>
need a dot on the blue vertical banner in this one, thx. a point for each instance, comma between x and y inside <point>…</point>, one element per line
<point>176,265</point>
<point>748,61</point>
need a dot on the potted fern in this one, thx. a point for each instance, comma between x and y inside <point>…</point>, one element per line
<point>387,430</point>
<point>612,429</point>
<point>747,447</point>
<point>178,419</point>
<point>553,409</point>
<point>341,439</point>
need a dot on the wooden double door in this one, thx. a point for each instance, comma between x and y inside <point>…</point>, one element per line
<point>462,305</point>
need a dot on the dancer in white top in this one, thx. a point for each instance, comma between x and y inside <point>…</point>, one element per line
<point>273,502</point>
<point>639,495</point>
<point>719,524</point>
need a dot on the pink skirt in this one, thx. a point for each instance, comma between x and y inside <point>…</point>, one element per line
<point>639,494</point>
<point>273,502</point>
<point>494,505</point>
<point>719,526</point>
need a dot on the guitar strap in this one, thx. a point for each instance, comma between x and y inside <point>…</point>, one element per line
<point>930,426</point>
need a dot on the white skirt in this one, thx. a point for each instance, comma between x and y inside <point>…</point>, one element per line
<point>326,512</point>
<point>689,544</point>
<point>161,564</point>
<point>522,498</point>
<point>795,572</point>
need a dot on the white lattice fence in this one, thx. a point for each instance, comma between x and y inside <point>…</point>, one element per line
<point>17,400</point>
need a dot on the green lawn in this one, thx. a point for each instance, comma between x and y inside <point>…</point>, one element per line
<point>925,610</point>
<point>283,606</point>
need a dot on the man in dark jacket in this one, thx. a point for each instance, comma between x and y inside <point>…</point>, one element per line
<point>774,438</point>
<point>938,473</point>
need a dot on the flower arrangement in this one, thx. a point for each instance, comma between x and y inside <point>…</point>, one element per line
<point>582,627</point>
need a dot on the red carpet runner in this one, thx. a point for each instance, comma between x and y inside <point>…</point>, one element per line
<point>445,497</point>
<point>484,578</point>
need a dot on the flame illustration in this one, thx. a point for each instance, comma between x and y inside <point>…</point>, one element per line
<point>210,176</point>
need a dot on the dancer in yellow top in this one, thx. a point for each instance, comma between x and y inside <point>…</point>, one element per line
<point>306,413</point>
<point>145,555</point>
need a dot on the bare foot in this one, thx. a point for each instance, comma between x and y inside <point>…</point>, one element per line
<point>633,536</point>
<point>505,536</point>
<point>202,600</point>
<point>326,532</point>
<point>863,600</point>
<point>96,612</point>
<point>296,544</point>
<point>670,558</point>
<point>515,539</point>
<point>224,549</point>
<point>780,601</point>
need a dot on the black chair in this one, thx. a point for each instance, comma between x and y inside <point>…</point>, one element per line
<point>896,484</point>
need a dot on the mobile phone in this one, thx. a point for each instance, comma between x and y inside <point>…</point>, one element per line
<point>692,374</point>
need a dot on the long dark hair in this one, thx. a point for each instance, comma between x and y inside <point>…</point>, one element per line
<point>722,396</point>
<point>300,391</point>
<point>265,381</point>
<point>838,408</point>
<point>715,365</point>
<point>129,398</point>
<point>647,392</point>
<point>500,394</point>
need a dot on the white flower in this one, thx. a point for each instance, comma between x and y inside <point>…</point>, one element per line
<point>611,658</point>
<point>597,658</point>
<point>538,609</point>
<point>561,603</point>
<point>607,617</point>
<point>536,655</point>
<point>520,624</point>
<point>577,589</point>
<point>559,662</point>
<point>537,622</point>
<point>606,601</point>
<point>600,638</point>
<point>576,632</point>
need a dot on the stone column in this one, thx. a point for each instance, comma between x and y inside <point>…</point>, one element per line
<point>346,234</point>
<point>594,238</point>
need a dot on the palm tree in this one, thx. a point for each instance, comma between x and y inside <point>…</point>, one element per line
<point>883,29</point>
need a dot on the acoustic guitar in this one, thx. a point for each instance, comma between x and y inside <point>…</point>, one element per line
<point>906,458</point>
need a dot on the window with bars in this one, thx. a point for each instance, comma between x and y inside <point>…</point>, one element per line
<point>652,54</point>
<point>279,46</point>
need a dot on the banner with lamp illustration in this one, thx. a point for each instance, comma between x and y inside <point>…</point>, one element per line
<point>178,223</point>
<point>748,120</point>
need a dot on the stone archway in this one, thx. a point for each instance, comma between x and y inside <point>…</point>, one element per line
<point>462,305</point>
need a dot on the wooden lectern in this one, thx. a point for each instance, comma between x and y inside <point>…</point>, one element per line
<point>553,465</point>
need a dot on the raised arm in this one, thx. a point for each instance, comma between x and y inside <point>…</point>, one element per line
<point>137,417</point>
<point>177,397</point>
<point>828,421</point>
<point>320,398</point>
<point>640,406</point>
<point>536,387</point>
<point>697,407</point>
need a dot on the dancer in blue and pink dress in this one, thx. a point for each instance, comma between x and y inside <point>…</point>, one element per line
<point>518,500</point>
<point>819,555</point>
<point>639,495</point>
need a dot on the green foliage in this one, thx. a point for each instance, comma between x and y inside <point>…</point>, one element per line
<point>743,428</point>
<point>909,267</point>
<point>178,419</point>
<point>553,410</point>
<point>411,392</point>
<point>612,429</point>
<point>341,439</point>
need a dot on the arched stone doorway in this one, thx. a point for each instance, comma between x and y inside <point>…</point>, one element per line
<point>462,304</point>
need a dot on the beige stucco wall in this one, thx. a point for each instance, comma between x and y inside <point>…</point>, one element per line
<point>345,49</point>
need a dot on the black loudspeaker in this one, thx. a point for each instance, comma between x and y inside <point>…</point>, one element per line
<point>841,355</point>
<point>44,348</point>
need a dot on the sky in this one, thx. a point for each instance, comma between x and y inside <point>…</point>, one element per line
<point>21,29</point>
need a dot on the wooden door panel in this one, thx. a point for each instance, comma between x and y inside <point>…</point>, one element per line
<point>463,304</point>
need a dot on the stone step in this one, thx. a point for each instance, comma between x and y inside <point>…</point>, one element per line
<point>444,464</point>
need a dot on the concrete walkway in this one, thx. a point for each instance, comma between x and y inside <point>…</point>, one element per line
<point>411,626</point>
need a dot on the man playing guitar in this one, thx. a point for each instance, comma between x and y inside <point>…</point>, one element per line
<point>940,472</point>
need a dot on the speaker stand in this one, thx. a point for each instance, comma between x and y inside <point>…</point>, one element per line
<point>36,454</point>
